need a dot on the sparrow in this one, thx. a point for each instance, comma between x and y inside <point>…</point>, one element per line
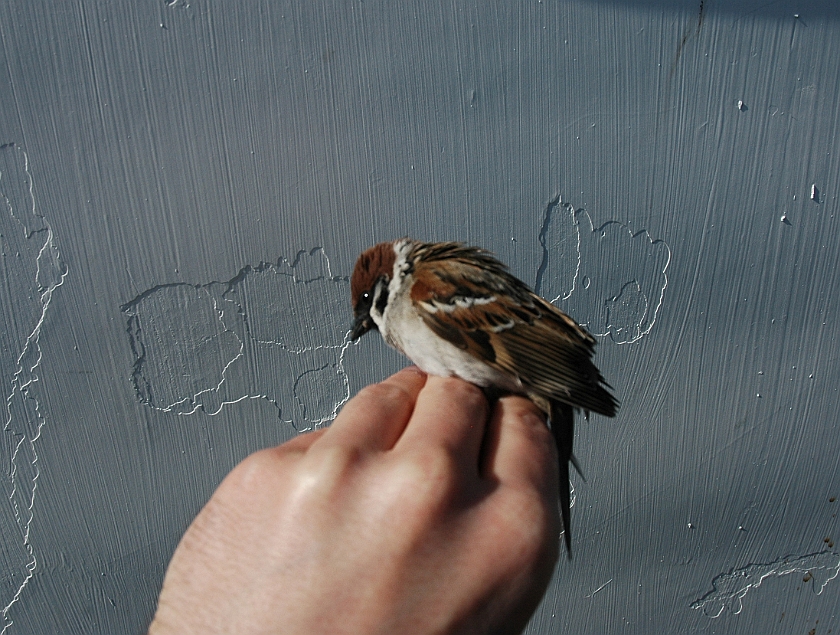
<point>456,310</point>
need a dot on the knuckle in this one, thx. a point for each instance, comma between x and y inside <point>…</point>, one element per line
<point>432,478</point>
<point>267,468</point>
<point>255,468</point>
<point>324,477</point>
<point>332,463</point>
<point>384,392</point>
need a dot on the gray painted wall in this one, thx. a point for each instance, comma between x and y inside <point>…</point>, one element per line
<point>186,186</point>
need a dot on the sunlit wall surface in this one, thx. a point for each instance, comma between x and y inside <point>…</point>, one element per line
<point>184,187</point>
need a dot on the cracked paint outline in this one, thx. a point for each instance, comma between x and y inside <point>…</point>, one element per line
<point>24,420</point>
<point>729,589</point>
<point>279,324</point>
<point>610,277</point>
<point>142,386</point>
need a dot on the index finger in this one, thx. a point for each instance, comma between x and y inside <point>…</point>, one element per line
<point>375,418</point>
<point>451,414</point>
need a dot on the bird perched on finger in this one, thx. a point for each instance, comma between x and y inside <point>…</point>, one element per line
<point>455,310</point>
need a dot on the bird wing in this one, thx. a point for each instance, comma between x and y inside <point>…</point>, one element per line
<point>469,298</point>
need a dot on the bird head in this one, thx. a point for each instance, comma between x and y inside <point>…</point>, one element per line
<point>369,286</point>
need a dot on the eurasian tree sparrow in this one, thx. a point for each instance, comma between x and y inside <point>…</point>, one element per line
<point>455,310</point>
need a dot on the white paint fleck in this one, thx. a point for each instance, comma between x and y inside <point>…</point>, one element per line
<point>599,588</point>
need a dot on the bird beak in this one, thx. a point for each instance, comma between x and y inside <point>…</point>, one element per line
<point>362,325</point>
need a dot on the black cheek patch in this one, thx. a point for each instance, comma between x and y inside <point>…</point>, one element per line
<point>382,300</point>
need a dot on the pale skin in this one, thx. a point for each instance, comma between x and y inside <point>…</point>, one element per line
<point>416,511</point>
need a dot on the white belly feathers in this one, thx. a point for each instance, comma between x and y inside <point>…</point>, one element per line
<point>402,328</point>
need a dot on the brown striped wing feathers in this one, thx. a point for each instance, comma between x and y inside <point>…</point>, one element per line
<point>470,299</point>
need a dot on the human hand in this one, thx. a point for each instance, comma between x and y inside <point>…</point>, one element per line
<point>411,513</point>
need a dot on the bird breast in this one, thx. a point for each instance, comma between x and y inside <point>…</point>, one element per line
<point>402,327</point>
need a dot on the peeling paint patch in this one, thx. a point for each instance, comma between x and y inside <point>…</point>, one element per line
<point>276,331</point>
<point>730,588</point>
<point>611,278</point>
<point>32,270</point>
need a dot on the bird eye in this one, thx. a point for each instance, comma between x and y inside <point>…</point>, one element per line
<point>366,295</point>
